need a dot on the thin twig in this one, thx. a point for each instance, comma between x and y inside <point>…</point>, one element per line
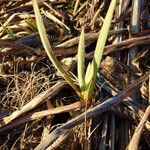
<point>76,6</point>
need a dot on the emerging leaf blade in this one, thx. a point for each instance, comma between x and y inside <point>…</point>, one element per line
<point>89,77</point>
<point>100,45</point>
<point>88,74</point>
<point>48,49</point>
<point>104,34</point>
<point>81,52</point>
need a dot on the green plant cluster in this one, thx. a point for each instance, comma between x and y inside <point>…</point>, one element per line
<point>86,79</point>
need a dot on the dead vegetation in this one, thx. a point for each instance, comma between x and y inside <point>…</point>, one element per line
<point>39,110</point>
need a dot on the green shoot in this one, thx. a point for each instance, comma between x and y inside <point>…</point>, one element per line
<point>9,31</point>
<point>81,71</point>
<point>86,80</point>
<point>48,49</point>
<point>31,24</point>
<point>100,47</point>
<point>88,74</point>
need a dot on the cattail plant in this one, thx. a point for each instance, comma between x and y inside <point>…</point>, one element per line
<point>86,79</point>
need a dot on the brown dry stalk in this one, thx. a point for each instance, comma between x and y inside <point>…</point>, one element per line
<point>33,103</point>
<point>15,48</point>
<point>137,134</point>
<point>49,120</point>
<point>41,114</point>
<point>102,145</point>
<point>139,41</point>
<point>60,141</point>
<point>89,37</point>
<point>104,106</point>
<point>144,40</point>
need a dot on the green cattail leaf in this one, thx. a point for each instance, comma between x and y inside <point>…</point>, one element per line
<point>31,24</point>
<point>10,33</point>
<point>89,74</point>
<point>101,44</point>
<point>48,49</point>
<point>89,81</point>
<point>87,94</point>
<point>104,33</point>
<point>81,71</point>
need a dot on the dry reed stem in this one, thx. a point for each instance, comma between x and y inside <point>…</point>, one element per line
<point>132,53</point>
<point>16,48</point>
<point>102,145</point>
<point>137,134</point>
<point>138,41</point>
<point>88,38</point>
<point>76,6</point>
<point>41,114</point>
<point>59,141</point>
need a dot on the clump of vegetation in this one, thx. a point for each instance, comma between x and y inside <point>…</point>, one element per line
<point>86,80</point>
